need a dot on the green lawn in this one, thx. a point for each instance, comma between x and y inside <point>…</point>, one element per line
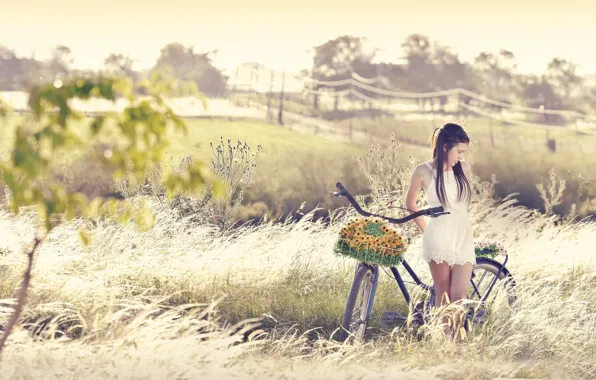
<point>292,168</point>
<point>296,167</point>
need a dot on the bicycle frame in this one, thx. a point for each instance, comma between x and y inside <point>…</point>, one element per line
<point>373,292</point>
<point>402,285</point>
<point>404,290</point>
<point>398,279</point>
<point>493,282</point>
<point>406,293</point>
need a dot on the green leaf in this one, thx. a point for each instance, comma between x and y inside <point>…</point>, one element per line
<point>97,124</point>
<point>85,236</point>
<point>4,109</point>
<point>140,137</point>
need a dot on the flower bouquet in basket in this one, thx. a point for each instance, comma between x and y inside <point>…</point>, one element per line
<point>371,240</point>
<point>489,248</point>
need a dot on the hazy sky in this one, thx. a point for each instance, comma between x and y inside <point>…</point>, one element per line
<point>280,37</point>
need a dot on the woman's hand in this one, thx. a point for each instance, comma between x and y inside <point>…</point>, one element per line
<point>416,184</point>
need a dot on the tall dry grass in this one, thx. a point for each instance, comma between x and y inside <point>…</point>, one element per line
<point>185,300</point>
<point>135,305</point>
<point>519,157</point>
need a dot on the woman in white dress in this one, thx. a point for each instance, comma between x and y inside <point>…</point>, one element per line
<point>447,243</point>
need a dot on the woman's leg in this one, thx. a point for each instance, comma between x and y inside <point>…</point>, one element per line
<point>460,281</point>
<point>441,274</point>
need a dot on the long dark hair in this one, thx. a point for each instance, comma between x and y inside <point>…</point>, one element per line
<point>449,136</point>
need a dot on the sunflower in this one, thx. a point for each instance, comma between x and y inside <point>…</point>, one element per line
<point>371,239</point>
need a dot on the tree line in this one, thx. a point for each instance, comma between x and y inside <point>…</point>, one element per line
<point>20,73</point>
<point>425,66</point>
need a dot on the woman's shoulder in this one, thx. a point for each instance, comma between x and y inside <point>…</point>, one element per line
<point>425,167</point>
<point>424,170</point>
<point>467,168</point>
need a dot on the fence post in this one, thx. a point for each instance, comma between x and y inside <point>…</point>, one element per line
<point>269,96</point>
<point>281,100</point>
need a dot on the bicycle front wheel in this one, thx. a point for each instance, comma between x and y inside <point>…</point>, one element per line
<point>359,302</point>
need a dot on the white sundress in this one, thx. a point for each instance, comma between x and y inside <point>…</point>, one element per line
<point>448,238</point>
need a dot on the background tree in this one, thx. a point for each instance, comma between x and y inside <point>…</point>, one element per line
<point>138,136</point>
<point>338,59</point>
<point>496,76</point>
<point>120,64</point>
<point>17,72</point>
<point>419,55</point>
<point>449,72</point>
<point>187,65</point>
<point>561,74</point>
<point>431,66</point>
<point>61,61</point>
<point>538,92</point>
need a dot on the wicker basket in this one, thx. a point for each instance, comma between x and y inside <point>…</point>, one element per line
<point>371,240</point>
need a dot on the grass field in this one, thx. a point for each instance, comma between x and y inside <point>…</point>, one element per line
<point>163,304</point>
<point>519,156</point>
<point>292,168</point>
<point>297,167</point>
<point>168,303</point>
<point>185,301</point>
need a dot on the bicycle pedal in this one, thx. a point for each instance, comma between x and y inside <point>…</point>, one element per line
<point>392,317</point>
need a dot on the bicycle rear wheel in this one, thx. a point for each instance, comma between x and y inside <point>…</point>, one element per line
<point>359,302</point>
<point>490,279</point>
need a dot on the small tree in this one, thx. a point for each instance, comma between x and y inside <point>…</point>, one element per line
<point>138,136</point>
<point>388,177</point>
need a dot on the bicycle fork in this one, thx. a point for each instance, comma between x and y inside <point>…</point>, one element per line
<point>371,298</point>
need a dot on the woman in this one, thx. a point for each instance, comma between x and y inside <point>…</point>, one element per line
<point>447,243</point>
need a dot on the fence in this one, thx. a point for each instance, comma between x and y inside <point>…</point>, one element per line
<point>356,98</point>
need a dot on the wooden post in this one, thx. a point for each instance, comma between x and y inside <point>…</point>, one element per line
<point>459,107</point>
<point>235,90</point>
<point>269,96</point>
<point>490,109</point>
<point>252,73</point>
<point>490,117</point>
<point>281,99</point>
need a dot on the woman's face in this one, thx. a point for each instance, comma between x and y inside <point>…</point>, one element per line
<point>456,154</point>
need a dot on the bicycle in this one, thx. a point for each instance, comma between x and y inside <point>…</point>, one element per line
<point>367,276</point>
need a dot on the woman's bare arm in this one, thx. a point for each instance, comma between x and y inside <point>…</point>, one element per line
<point>416,184</point>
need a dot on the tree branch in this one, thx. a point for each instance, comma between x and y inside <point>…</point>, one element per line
<point>22,297</point>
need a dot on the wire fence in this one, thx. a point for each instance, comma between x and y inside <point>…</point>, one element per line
<point>358,98</point>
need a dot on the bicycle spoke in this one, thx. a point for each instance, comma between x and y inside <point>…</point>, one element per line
<point>356,315</point>
<point>477,286</point>
<point>490,286</point>
<point>476,291</point>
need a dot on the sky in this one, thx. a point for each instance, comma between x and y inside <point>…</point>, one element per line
<point>281,38</point>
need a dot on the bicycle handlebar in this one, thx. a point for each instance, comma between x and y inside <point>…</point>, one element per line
<point>433,212</point>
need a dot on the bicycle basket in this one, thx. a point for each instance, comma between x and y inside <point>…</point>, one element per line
<point>371,240</point>
<point>489,248</point>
